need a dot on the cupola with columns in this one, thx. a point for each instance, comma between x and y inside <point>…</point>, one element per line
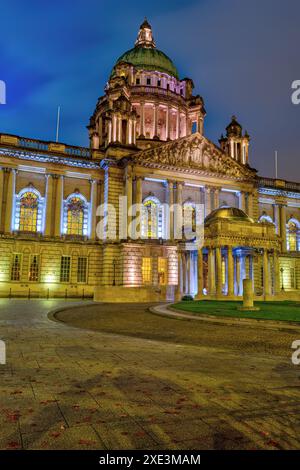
<point>236,144</point>
<point>159,106</point>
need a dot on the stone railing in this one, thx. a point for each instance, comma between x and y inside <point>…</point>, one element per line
<point>44,146</point>
<point>278,184</point>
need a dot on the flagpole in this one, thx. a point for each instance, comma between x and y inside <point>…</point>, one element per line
<point>57,123</point>
<point>276,164</point>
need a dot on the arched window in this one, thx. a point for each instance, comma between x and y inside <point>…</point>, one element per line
<point>29,208</point>
<point>75,215</point>
<point>152,218</point>
<point>293,235</point>
<point>266,218</point>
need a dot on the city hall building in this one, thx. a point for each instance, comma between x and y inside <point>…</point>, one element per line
<point>147,142</point>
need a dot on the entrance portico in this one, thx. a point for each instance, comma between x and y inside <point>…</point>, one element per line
<point>237,248</point>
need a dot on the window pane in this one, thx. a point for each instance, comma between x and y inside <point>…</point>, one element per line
<point>147,270</point>
<point>65,269</point>
<point>82,269</point>
<point>16,268</point>
<point>34,269</point>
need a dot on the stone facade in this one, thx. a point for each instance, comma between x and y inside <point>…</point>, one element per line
<point>147,143</point>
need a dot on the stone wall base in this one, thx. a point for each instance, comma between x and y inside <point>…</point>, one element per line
<point>132,294</point>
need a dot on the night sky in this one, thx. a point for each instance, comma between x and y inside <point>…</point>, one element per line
<point>242,56</point>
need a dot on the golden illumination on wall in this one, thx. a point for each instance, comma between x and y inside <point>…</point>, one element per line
<point>147,270</point>
<point>162,271</point>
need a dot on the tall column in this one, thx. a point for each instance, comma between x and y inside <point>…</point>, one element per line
<point>266,273</point>
<point>219,270</point>
<point>178,288</point>
<point>59,205</point>
<point>119,133</point>
<point>178,221</point>
<point>276,273</point>
<point>200,274</point>
<point>93,208</point>
<point>168,123</point>
<point>171,213</point>
<point>207,201</point>
<point>283,228</point>
<point>114,128</point>
<point>238,275</point>
<point>49,205</point>
<point>11,185</point>
<point>242,272</point>
<point>177,124</point>
<point>129,132</point>
<point>109,136</point>
<point>133,139</point>
<point>1,195</point>
<point>155,133</point>
<point>184,272</point>
<point>276,211</point>
<point>142,121</point>
<point>139,190</point>
<point>129,200</point>
<point>230,272</point>
<point>211,271</point>
<point>188,255</point>
<point>250,204</point>
<point>139,201</point>
<point>216,198</point>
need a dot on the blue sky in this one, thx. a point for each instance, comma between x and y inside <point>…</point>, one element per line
<point>242,55</point>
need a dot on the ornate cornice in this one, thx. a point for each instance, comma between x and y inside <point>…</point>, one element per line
<point>279,193</point>
<point>194,155</point>
<point>44,158</point>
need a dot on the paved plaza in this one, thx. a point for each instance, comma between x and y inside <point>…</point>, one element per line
<point>134,380</point>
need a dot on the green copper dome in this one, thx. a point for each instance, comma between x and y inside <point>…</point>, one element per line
<point>145,56</point>
<point>149,59</point>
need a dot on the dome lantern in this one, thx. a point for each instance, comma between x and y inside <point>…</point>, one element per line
<point>145,36</point>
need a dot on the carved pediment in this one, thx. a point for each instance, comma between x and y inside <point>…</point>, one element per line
<point>195,152</point>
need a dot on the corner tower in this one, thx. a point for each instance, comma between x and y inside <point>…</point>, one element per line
<point>236,144</point>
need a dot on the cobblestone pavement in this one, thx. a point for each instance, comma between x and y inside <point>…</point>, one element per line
<point>139,381</point>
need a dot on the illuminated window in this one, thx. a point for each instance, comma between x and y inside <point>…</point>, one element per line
<point>162,271</point>
<point>75,215</point>
<point>152,218</point>
<point>82,269</point>
<point>34,269</point>
<point>29,207</point>
<point>147,270</point>
<point>65,266</point>
<point>16,267</point>
<point>293,235</point>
